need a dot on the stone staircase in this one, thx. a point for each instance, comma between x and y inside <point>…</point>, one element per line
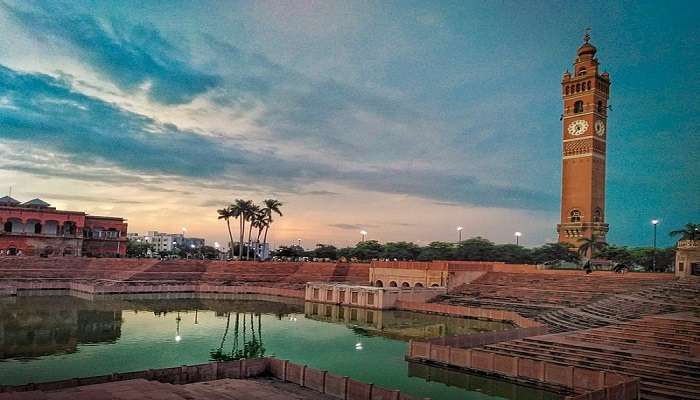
<point>663,351</point>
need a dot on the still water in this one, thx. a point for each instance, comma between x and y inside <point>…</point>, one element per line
<point>45,338</point>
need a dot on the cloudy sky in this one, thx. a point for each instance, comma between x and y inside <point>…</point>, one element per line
<point>406,119</point>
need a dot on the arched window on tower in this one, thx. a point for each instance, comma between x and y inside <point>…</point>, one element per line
<point>582,72</point>
<point>567,90</point>
<point>600,107</point>
<point>578,87</point>
<point>588,85</point>
<point>578,106</point>
<point>575,216</point>
<point>597,215</point>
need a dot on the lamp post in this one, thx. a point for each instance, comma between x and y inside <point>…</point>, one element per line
<point>364,235</point>
<point>517,238</point>
<point>299,242</point>
<point>653,252</point>
<point>459,233</point>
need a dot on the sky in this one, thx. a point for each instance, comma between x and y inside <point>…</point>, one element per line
<point>405,119</point>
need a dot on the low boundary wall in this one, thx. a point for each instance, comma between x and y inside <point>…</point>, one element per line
<point>340,387</point>
<point>116,287</point>
<point>585,383</point>
<point>472,312</point>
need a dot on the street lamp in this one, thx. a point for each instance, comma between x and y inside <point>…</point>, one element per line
<point>653,253</point>
<point>459,232</point>
<point>517,238</point>
<point>299,242</point>
<point>364,235</point>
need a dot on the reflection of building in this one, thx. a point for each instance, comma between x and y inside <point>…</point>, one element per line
<point>402,325</point>
<point>585,92</point>
<point>37,326</point>
<point>36,228</point>
<point>688,258</point>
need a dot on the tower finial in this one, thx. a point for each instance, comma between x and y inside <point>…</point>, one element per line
<point>586,35</point>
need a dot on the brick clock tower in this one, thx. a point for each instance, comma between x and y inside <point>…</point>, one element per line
<point>585,93</point>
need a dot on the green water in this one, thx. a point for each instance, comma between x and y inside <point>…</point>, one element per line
<point>45,338</point>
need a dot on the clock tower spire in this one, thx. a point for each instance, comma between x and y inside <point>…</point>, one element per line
<point>585,93</point>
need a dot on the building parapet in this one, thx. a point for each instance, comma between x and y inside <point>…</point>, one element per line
<point>368,296</point>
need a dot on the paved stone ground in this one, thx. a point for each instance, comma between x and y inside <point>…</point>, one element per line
<point>137,389</point>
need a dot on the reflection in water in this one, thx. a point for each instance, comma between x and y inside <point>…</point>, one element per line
<point>400,325</point>
<point>53,325</point>
<point>473,382</point>
<point>244,348</point>
<point>46,338</point>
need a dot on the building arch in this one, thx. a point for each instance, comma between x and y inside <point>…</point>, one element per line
<point>7,226</point>
<point>393,284</point>
<point>434,285</point>
<point>70,228</point>
<point>578,106</point>
<point>418,284</point>
<point>379,283</point>
<point>575,215</point>
<point>405,284</point>
<point>597,215</point>
<point>50,227</point>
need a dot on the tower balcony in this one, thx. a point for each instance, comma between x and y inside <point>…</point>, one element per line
<point>688,244</point>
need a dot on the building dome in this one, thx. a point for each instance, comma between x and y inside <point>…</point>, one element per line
<point>586,49</point>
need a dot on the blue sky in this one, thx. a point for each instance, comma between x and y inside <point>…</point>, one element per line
<point>402,118</point>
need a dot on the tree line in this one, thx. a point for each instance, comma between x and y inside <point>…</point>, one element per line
<point>481,249</point>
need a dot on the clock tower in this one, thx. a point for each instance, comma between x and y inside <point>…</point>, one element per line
<point>585,92</point>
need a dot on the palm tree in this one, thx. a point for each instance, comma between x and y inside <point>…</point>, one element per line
<point>592,245</point>
<point>270,206</point>
<point>689,232</point>
<point>263,223</point>
<point>252,216</point>
<point>241,209</point>
<point>226,214</point>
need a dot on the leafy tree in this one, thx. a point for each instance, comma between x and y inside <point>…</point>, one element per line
<point>512,253</point>
<point>345,252</point>
<point>689,232</point>
<point>325,251</point>
<point>618,254</point>
<point>208,252</point>
<point>591,245</point>
<point>367,250</point>
<point>137,248</point>
<point>475,249</point>
<point>437,251</point>
<point>554,252</point>
<point>401,251</point>
<point>289,251</point>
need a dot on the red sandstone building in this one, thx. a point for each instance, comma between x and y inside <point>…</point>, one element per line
<point>585,93</point>
<point>36,228</point>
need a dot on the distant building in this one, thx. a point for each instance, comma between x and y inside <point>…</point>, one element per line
<point>167,242</point>
<point>36,228</point>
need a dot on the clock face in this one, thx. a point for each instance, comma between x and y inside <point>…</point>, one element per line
<point>578,127</point>
<point>600,128</point>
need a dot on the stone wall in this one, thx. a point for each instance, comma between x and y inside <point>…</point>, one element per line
<point>340,387</point>
<point>585,383</point>
<point>472,312</point>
